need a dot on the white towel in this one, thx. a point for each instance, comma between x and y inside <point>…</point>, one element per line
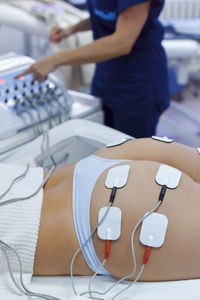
<point>19,225</point>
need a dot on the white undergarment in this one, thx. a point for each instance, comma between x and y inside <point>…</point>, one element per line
<point>86,174</point>
<point>19,225</point>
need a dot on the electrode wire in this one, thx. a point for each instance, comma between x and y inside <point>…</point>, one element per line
<point>92,278</point>
<point>133,251</point>
<point>25,291</point>
<point>136,279</point>
<point>17,179</point>
<point>83,245</point>
<point>10,201</point>
<point>133,254</point>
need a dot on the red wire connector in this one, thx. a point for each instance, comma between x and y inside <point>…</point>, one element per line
<point>146,255</point>
<point>107,250</point>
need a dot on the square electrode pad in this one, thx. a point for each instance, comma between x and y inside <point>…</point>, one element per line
<point>110,229</point>
<point>168,176</point>
<point>153,230</point>
<point>162,139</point>
<point>117,176</point>
<point>119,142</point>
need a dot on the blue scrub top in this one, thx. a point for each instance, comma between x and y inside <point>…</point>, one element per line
<point>133,82</point>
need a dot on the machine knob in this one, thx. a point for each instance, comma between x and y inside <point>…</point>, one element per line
<point>10,102</point>
<point>51,85</point>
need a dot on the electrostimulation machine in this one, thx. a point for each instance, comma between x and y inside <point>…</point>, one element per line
<point>28,107</point>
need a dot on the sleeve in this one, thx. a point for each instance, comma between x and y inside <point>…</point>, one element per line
<point>123,4</point>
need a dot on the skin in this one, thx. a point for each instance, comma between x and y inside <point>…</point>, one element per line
<point>129,26</point>
<point>58,34</point>
<point>175,260</point>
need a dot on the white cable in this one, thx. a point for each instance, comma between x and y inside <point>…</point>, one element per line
<point>83,245</point>
<point>136,279</point>
<point>92,278</point>
<point>23,288</point>
<point>45,149</point>
<point>132,248</point>
<point>19,178</point>
<point>4,245</point>
<point>9,201</point>
<point>133,254</point>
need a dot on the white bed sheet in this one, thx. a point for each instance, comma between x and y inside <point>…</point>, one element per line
<point>187,26</point>
<point>60,286</point>
<point>175,290</point>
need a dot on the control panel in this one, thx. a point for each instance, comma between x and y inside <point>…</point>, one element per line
<point>25,102</point>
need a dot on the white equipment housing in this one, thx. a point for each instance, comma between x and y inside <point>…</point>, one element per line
<point>69,142</point>
<point>46,104</point>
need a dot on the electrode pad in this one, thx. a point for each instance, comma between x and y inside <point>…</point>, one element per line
<point>198,150</point>
<point>153,230</point>
<point>117,177</point>
<point>110,229</point>
<point>162,139</point>
<point>168,176</point>
<point>119,142</point>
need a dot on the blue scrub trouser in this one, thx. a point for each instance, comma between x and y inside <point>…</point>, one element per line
<point>136,127</point>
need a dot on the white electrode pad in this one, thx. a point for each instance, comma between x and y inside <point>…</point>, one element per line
<point>153,230</point>
<point>162,139</point>
<point>117,176</point>
<point>198,150</point>
<point>110,229</point>
<point>168,176</point>
<point>119,142</point>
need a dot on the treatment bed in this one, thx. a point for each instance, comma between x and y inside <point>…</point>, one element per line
<point>70,142</point>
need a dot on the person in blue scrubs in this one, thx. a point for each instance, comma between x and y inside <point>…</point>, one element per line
<point>131,67</point>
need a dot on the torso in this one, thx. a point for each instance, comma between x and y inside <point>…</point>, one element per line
<point>57,237</point>
<point>175,260</point>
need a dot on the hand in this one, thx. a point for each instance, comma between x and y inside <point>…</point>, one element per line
<point>41,69</point>
<point>58,34</point>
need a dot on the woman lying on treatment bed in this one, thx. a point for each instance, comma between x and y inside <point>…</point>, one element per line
<point>176,259</point>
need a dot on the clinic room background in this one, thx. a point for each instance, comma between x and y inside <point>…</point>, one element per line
<point>89,91</point>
